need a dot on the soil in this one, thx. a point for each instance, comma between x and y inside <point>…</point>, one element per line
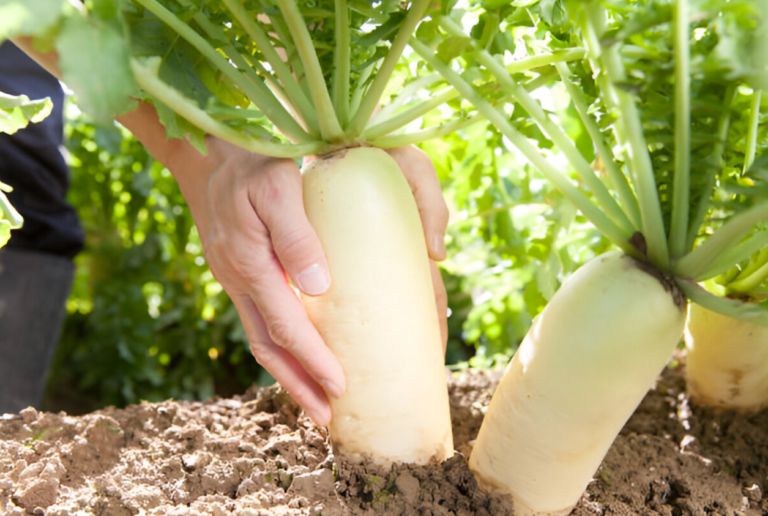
<point>257,454</point>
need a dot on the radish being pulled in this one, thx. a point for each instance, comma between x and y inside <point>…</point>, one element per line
<point>364,213</point>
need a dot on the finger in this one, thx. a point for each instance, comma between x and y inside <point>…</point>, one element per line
<point>242,259</point>
<point>441,299</point>
<point>281,365</point>
<point>289,326</point>
<point>422,178</point>
<point>278,201</point>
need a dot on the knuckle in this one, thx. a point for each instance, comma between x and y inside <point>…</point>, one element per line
<point>281,332</point>
<point>293,242</point>
<point>275,180</point>
<point>262,353</point>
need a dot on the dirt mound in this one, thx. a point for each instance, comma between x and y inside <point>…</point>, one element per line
<point>257,454</point>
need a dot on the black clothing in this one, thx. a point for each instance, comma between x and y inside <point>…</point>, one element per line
<point>34,288</point>
<point>32,163</point>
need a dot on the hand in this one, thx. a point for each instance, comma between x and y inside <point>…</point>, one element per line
<point>250,216</point>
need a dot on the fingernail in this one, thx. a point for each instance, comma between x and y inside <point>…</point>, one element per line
<point>314,280</point>
<point>332,389</point>
<point>438,246</point>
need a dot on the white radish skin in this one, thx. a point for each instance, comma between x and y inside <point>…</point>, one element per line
<point>727,363</point>
<point>581,371</point>
<point>379,317</point>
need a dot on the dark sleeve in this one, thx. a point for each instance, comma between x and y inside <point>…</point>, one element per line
<point>31,161</point>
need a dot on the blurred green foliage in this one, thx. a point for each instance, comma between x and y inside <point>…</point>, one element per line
<point>511,241</point>
<point>147,320</point>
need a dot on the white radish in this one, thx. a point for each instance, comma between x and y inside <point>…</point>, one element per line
<point>727,363</point>
<point>581,371</point>
<point>379,317</point>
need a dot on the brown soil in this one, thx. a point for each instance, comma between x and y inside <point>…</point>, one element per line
<point>258,455</point>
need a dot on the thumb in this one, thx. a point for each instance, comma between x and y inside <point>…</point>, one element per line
<point>277,199</point>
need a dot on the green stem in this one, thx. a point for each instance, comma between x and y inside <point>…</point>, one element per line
<point>357,96</point>
<point>751,312</point>
<point>750,282</point>
<point>409,115</point>
<point>678,228</point>
<point>639,157</point>
<point>303,108</point>
<point>723,125</point>
<point>604,198</point>
<point>735,255</point>
<point>753,265</point>
<point>531,62</point>
<point>147,79</point>
<point>371,100</point>
<point>341,62</point>
<point>405,94</point>
<point>399,140</point>
<point>271,79</point>
<point>292,89</point>
<point>543,78</point>
<point>693,264</point>
<point>258,93</point>
<point>619,180</point>
<point>614,232</point>
<point>326,115</point>
<point>754,120</point>
<point>291,54</point>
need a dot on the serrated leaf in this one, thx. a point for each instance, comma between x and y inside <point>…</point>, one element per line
<point>180,128</point>
<point>94,62</point>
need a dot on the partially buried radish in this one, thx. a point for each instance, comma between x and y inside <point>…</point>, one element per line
<point>379,317</point>
<point>581,371</point>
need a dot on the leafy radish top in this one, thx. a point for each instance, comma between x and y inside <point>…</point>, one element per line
<point>668,93</point>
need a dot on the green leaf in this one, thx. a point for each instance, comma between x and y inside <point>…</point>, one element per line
<point>28,17</point>
<point>384,31</point>
<point>178,127</point>
<point>221,86</point>
<point>106,9</point>
<point>94,62</point>
<point>5,232</point>
<point>17,112</point>
<point>553,12</point>
<point>8,213</point>
<point>452,47</point>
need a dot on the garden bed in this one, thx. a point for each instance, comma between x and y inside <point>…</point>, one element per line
<point>258,455</point>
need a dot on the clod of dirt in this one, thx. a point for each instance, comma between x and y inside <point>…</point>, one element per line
<point>258,455</point>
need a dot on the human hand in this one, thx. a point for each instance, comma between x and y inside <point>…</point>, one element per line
<point>250,215</point>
